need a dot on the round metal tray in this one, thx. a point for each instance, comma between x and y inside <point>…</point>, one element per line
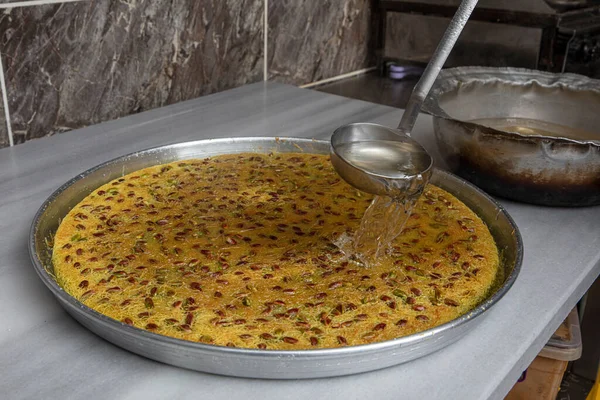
<point>272,364</point>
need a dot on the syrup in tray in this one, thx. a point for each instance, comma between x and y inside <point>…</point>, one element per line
<point>386,216</point>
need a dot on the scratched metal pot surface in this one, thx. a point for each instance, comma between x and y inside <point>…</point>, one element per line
<point>533,168</point>
<point>269,364</point>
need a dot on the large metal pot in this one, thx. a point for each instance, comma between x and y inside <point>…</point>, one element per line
<point>535,168</point>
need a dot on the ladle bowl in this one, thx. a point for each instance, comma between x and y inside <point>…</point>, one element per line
<point>380,160</point>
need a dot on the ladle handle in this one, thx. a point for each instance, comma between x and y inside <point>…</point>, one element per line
<point>436,63</point>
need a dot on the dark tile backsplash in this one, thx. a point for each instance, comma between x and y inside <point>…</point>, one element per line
<point>312,40</point>
<point>76,64</point>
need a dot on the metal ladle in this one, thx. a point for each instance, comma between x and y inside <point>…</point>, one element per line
<point>385,161</point>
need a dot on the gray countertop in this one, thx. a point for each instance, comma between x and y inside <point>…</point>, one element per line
<point>44,353</point>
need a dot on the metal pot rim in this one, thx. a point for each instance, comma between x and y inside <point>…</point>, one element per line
<point>452,78</point>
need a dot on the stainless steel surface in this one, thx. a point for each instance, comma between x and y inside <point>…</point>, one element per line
<point>549,35</point>
<point>435,64</point>
<point>262,363</point>
<point>413,37</point>
<point>529,6</point>
<point>403,181</point>
<point>537,169</point>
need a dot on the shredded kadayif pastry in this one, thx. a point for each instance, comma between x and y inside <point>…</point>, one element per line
<point>236,250</point>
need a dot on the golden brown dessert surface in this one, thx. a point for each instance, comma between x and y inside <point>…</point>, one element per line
<point>237,250</point>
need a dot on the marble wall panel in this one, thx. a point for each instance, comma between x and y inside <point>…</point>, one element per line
<point>313,40</point>
<point>77,64</point>
<point>3,129</point>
